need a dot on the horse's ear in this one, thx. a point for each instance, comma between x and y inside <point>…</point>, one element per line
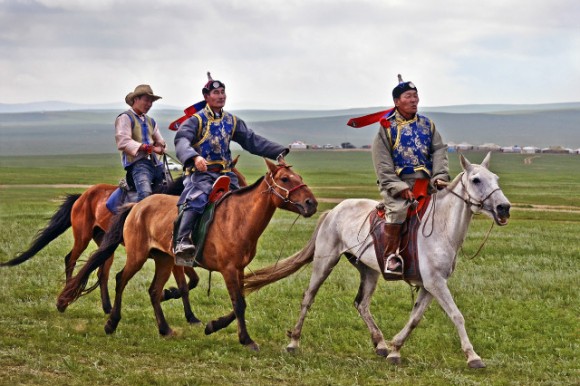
<point>485,162</point>
<point>271,165</point>
<point>465,164</point>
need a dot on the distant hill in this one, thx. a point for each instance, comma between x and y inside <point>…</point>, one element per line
<point>90,130</point>
<point>63,106</point>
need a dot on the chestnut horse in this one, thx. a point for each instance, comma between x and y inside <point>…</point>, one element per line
<point>89,218</point>
<point>230,245</point>
<point>345,231</point>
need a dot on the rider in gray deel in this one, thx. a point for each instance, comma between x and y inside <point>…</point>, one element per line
<point>406,148</point>
<point>202,144</point>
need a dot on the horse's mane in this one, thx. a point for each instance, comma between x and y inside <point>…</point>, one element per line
<point>451,185</point>
<point>244,189</point>
<point>239,191</point>
<point>173,188</point>
<point>455,181</point>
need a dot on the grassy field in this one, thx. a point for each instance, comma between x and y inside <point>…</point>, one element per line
<point>519,296</point>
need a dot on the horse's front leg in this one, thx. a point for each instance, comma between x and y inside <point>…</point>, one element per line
<point>443,296</point>
<point>234,282</point>
<point>423,300</point>
<point>183,290</point>
<point>174,292</point>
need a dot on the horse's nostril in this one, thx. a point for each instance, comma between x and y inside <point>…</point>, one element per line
<point>503,209</point>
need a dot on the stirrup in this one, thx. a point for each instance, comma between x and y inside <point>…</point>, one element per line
<point>184,254</point>
<point>398,270</point>
<point>184,262</point>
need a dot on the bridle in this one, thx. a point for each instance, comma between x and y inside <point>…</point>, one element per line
<point>287,192</point>
<point>469,200</point>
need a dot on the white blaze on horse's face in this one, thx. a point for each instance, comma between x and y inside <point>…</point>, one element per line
<point>483,191</point>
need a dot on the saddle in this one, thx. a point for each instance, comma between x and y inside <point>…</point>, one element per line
<point>122,195</point>
<point>408,245</point>
<point>220,189</point>
<point>127,193</point>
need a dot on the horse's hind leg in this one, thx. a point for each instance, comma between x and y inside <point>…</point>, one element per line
<point>368,284</point>
<point>163,267</point>
<point>122,279</point>
<point>423,300</point>
<point>321,268</point>
<point>103,275</point>
<point>443,296</point>
<point>82,238</point>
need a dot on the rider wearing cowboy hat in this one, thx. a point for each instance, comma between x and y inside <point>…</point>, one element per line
<point>139,140</point>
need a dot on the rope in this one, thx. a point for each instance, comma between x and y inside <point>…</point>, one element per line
<point>481,246</point>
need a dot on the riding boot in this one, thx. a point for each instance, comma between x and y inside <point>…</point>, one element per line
<point>393,261</point>
<point>184,249</point>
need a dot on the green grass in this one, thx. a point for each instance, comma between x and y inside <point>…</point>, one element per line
<point>519,296</point>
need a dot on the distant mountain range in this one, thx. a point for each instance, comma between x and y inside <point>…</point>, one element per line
<point>66,128</point>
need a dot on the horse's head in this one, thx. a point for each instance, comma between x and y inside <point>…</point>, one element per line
<point>483,192</point>
<point>289,190</point>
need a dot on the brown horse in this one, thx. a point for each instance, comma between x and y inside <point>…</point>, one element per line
<point>230,245</point>
<point>89,218</point>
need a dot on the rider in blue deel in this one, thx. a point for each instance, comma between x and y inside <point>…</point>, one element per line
<point>202,144</point>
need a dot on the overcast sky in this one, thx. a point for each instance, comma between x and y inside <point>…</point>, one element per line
<point>290,53</point>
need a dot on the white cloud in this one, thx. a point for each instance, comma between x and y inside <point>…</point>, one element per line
<point>291,53</point>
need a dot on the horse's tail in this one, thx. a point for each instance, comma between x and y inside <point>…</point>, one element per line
<point>257,279</point>
<point>76,286</point>
<point>59,222</point>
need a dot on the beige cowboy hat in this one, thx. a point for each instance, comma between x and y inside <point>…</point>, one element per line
<point>142,89</point>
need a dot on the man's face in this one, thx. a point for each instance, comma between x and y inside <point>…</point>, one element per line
<point>216,99</point>
<point>407,103</point>
<point>142,104</point>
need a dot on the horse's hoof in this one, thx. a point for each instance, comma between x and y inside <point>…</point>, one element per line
<point>476,364</point>
<point>209,329</point>
<point>394,360</point>
<point>171,293</point>
<point>60,306</point>
<point>167,333</point>
<point>110,327</point>
<point>193,320</point>
<point>253,346</point>
<point>107,310</point>
<point>382,352</point>
<point>291,349</point>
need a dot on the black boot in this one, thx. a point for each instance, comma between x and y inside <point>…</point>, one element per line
<point>184,249</point>
<point>393,262</point>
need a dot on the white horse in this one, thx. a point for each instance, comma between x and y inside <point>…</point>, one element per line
<point>345,231</point>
